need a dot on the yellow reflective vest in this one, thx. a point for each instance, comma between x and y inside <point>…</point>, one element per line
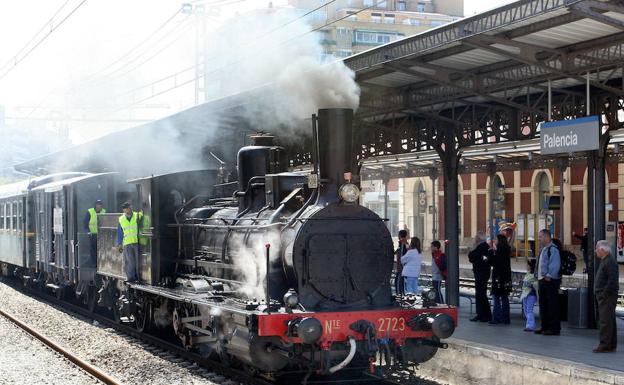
<point>93,220</point>
<point>130,229</point>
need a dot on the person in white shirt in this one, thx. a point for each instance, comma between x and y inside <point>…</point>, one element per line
<point>411,262</point>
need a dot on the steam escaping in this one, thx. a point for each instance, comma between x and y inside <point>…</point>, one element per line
<point>250,259</point>
<point>266,65</point>
<point>275,51</point>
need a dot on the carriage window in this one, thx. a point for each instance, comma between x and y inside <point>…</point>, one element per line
<point>9,216</point>
<point>14,227</point>
<point>19,215</point>
<point>1,215</point>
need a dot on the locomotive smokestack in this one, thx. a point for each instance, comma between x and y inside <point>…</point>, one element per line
<point>335,129</point>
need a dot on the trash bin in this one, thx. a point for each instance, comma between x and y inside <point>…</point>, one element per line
<point>563,305</point>
<point>577,308</point>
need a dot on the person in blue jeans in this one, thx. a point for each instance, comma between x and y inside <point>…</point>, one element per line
<point>500,259</point>
<point>529,295</point>
<point>412,261</point>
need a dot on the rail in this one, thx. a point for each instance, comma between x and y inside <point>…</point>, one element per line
<point>92,370</point>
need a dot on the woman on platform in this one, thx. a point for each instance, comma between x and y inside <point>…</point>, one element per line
<point>411,262</point>
<point>500,255</point>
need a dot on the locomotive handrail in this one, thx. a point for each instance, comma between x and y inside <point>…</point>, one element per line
<point>230,227</point>
<point>343,219</point>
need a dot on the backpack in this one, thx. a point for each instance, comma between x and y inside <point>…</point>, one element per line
<point>568,262</point>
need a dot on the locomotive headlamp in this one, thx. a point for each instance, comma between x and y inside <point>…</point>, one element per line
<point>291,299</point>
<point>349,192</point>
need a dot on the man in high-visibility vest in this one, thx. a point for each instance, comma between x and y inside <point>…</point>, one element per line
<point>90,223</point>
<point>128,240</point>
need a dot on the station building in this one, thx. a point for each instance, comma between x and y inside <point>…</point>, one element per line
<point>414,203</point>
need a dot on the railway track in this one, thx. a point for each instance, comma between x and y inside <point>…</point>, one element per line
<point>77,361</point>
<point>171,351</point>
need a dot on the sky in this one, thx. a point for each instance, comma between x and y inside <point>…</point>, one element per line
<point>89,69</point>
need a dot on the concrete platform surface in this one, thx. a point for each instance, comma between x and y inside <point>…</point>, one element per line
<point>573,344</point>
<point>506,355</point>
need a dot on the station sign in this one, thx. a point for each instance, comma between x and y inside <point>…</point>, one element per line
<point>566,136</point>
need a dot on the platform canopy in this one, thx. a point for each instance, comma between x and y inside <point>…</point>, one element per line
<point>485,80</point>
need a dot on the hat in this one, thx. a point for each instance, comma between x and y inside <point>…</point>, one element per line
<point>126,205</point>
<point>99,202</point>
<point>502,226</point>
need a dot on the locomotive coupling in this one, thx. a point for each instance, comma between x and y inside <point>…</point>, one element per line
<point>440,324</point>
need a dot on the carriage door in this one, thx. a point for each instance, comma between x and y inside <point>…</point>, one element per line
<point>71,232</point>
<point>59,225</point>
<point>45,234</point>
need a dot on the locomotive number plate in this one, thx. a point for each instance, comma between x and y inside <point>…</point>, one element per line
<point>394,324</point>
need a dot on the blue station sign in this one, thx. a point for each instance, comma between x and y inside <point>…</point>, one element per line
<point>566,136</point>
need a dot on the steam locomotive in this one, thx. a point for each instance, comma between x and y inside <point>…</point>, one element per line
<point>279,271</point>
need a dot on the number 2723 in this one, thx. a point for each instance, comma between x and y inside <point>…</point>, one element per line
<point>391,324</point>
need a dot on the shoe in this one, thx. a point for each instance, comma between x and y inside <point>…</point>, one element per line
<point>492,323</point>
<point>550,333</point>
<point>538,331</point>
<point>475,319</point>
<point>486,320</point>
<point>604,349</point>
<point>528,330</point>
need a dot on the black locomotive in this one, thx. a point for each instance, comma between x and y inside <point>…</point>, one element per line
<point>277,271</point>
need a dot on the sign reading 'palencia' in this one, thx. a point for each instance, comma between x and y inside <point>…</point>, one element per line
<point>566,136</point>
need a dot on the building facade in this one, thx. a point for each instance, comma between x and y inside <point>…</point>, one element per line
<point>518,195</point>
<point>358,25</point>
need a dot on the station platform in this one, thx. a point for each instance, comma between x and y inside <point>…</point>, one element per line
<point>505,354</point>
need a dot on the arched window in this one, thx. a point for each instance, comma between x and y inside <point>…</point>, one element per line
<point>542,192</point>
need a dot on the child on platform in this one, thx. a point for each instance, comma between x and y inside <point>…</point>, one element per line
<point>529,295</point>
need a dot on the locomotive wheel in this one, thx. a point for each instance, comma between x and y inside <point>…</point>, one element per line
<point>143,315</point>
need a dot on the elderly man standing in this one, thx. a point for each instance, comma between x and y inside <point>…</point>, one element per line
<point>606,287</point>
<point>549,263</point>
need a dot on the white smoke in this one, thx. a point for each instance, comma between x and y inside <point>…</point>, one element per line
<point>275,51</point>
<point>250,259</point>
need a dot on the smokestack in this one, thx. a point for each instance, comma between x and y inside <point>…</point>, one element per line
<point>335,129</point>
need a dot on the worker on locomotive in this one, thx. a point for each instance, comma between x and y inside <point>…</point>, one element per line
<point>128,240</point>
<point>90,223</point>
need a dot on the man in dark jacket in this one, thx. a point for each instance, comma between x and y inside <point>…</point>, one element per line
<point>400,251</point>
<point>481,269</point>
<point>606,287</point>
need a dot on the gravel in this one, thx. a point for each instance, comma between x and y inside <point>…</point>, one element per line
<point>23,359</point>
<point>117,355</point>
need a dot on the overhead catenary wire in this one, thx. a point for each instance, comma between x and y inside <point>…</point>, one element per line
<point>97,78</point>
<point>250,43</point>
<point>162,26</point>
<point>284,42</point>
<point>18,60</point>
<point>34,37</point>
